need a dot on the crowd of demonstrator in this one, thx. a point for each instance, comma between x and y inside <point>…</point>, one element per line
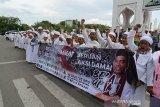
<point>145,50</point>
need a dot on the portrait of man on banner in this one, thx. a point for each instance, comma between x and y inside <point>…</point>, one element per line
<point>121,81</point>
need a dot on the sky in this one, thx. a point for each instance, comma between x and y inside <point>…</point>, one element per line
<point>31,11</point>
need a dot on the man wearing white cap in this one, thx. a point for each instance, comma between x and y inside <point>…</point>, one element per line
<point>56,35</point>
<point>81,41</point>
<point>109,42</point>
<point>48,33</point>
<point>69,41</point>
<point>46,40</point>
<point>144,63</point>
<point>106,32</point>
<point>125,40</point>
<point>91,39</point>
<point>62,40</point>
<point>29,50</point>
<point>35,46</point>
<point>75,39</point>
<point>41,34</point>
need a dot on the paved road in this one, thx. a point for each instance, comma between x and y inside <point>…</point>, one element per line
<point>23,85</point>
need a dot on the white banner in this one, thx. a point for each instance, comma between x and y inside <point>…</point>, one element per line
<point>101,72</point>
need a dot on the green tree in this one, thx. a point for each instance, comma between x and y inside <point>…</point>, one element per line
<point>24,27</point>
<point>9,23</point>
<point>44,24</point>
<point>62,23</point>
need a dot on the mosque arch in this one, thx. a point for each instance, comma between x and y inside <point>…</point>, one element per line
<point>126,18</point>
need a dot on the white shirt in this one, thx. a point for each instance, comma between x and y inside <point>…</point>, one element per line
<point>41,35</point>
<point>82,45</point>
<point>107,43</point>
<point>144,63</point>
<point>88,41</point>
<point>92,44</point>
<point>46,41</point>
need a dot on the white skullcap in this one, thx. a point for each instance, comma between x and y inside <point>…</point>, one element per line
<point>69,37</point>
<point>57,33</point>
<point>92,30</point>
<point>29,30</point>
<point>40,27</point>
<point>80,36</point>
<point>147,38</point>
<point>45,36</point>
<point>113,34</point>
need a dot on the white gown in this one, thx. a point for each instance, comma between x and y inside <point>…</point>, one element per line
<point>20,41</point>
<point>88,41</point>
<point>35,47</point>
<point>29,52</point>
<point>145,69</point>
<point>25,43</point>
<point>16,41</point>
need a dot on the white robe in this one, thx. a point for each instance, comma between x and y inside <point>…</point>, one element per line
<point>25,43</point>
<point>88,41</point>
<point>107,43</point>
<point>145,69</point>
<point>16,41</point>
<point>29,52</point>
<point>82,45</point>
<point>20,41</point>
<point>41,35</point>
<point>35,47</point>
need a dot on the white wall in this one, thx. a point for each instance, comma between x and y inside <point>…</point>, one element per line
<point>135,5</point>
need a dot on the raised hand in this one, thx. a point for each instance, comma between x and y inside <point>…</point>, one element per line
<point>82,21</point>
<point>137,27</point>
<point>95,26</point>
